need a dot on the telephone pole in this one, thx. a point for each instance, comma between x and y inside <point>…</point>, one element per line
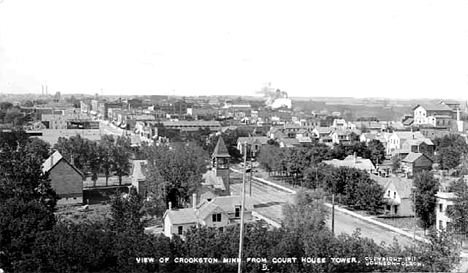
<point>241,241</point>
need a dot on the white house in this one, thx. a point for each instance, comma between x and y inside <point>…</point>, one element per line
<point>217,212</point>
<point>426,114</point>
<point>353,161</point>
<point>397,197</point>
<point>397,138</point>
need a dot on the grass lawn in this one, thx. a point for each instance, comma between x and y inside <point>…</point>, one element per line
<point>406,224</point>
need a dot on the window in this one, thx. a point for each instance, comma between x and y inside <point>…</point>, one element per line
<point>394,195</point>
<point>180,230</point>
<point>441,207</point>
<point>396,209</point>
<point>209,199</point>
<point>449,207</point>
<point>238,210</point>
<point>216,217</point>
<point>441,224</point>
<point>388,194</point>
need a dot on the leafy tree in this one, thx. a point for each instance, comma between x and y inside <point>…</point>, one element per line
<point>459,210</point>
<point>396,163</point>
<point>376,151</point>
<point>14,116</point>
<point>76,150</point>
<point>28,103</point>
<point>449,157</point>
<point>121,153</point>
<point>177,169</point>
<point>441,254</point>
<point>426,186</point>
<point>105,149</point>
<point>28,201</point>
<point>38,146</point>
<point>96,155</point>
<point>6,105</point>
<point>127,212</point>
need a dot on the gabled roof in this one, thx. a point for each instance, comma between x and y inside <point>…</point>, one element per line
<point>434,107</point>
<point>53,160</point>
<point>251,140</point>
<point>409,135</point>
<point>220,149</point>
<point>182,216</point>
<point>226,204</point>
<point>401,185</point>
<point>412,157</point>
<point>290,141</point>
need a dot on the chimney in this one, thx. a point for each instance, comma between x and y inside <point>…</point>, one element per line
<point>170,205</point>
<point>194,201</point>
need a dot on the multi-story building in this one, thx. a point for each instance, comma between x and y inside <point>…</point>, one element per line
<point>428,114</point>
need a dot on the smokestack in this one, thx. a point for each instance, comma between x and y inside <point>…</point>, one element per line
<point>194,201</point>
<point>170,205</point>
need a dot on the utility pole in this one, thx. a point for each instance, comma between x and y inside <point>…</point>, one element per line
<point>333,213</point>
<point>241,241</point>
<point>251,176</point>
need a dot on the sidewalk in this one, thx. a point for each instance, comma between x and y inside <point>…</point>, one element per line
<point>353,214</point>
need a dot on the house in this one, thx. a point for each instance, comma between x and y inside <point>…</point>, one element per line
<point>339,123</point>
<point>425,146</point>
<point>367,137</point>
<point>397,197</point>
<point>289,143</point>
<point>321,132</point>
<point>342,135</point>
<point>433,133</point>
<point>424,114</point>
<point>397,138</point>
<point>416,162</point>
<point>254,143</point>
<point>455,105</point>
<point>138,177</point>
<point>219,212</point>
<point>353,161</point>
<point>445,200</point>
<point>65,179</point>
<point>304,140</point>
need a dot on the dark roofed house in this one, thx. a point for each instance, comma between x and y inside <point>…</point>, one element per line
<point>416,162</point>
<point>65,179</point>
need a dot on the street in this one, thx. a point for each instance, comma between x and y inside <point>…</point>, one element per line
<point>269,201</point>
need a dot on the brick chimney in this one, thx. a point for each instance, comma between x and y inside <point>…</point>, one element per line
<point>170,205</point>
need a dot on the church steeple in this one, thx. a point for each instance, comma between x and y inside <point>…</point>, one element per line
<point>220,164</point>
<point>220,149</point>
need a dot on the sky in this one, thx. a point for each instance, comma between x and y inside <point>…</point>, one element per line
<point>393,49</point>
